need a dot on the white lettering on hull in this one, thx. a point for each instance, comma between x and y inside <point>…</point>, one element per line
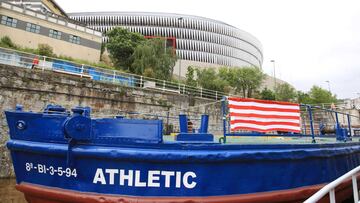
<point>154,178</point>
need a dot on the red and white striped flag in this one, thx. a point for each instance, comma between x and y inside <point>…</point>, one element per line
<point>263,116</point>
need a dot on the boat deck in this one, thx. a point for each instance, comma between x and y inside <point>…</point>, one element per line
<point>271,140</point>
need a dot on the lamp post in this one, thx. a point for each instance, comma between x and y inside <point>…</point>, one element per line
<point>180,20</point>
<point>273,61</point>
<point>328,82</point>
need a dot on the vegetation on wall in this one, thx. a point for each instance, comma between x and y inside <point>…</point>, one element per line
<point>284,92</point>
<point>121,46</point>
<point>132,52</point>
<point>46,50</point>
<point>244,80</point>
<point>267,94</point>
<point>151,58</point>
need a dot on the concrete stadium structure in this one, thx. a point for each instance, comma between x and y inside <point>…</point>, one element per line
<point>199,41</point>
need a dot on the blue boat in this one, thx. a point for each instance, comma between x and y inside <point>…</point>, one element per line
<point>62,156</point>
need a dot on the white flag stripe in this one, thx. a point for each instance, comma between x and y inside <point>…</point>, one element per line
<point>279,106</point>
<point>262,127</point>
<point>259,112</point>
<point>264,119</point>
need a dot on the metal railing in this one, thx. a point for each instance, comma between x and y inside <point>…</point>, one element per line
<point>330,188</point>
<point>25,60</point>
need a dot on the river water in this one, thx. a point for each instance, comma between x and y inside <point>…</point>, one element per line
<point>8,193</point>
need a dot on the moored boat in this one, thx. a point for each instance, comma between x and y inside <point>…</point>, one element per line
<point>70,157</point>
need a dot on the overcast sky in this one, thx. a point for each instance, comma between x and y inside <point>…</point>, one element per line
<point>312,41</point>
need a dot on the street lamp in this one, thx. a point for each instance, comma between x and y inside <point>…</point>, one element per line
<point>180,20</point>
<point>273,61</point>
<point>328,82</point>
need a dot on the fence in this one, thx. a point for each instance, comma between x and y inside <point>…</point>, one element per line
<point>330,188</point>
<point>25,60</point>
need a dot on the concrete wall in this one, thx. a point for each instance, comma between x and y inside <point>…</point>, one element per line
<point>35,89</point>
<point>89,48</point>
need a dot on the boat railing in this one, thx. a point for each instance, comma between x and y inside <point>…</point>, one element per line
<point>330,188</point>
<point>311,123</point>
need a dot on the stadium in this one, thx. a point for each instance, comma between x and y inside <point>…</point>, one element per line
<point>198,41</point>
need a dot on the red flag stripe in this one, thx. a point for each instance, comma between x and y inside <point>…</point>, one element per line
<point>259,130</point>
<point>264,112</point>
<point>261,101</point>
<point>262,116</point>
<point>264,127</point>
<point>267,105</point>
<point>265,119</point>
<point>263,108</point>
<point>264,123</point>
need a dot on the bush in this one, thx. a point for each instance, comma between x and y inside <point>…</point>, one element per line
<point>45,50</point>
<point>6,42</point>
<point>148,72</point>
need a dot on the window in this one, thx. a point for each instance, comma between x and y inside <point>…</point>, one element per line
<point>5,20</point>
<point>55,34</point>
<point>32,28</point>
<point>74,39</point>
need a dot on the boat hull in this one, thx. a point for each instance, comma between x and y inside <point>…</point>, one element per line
<point>180,171</point>
<point>56,156</point>
<point>41,194</point>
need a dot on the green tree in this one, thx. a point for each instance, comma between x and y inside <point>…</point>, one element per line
<point>209,79</point>
<point>148,72</point>
<point>303,98</point>
<point>45,50</point>
<point>152,54</point>
<point>284,92</point>
<point>267,94</point>
<point>319,95</point>
<point>121,46</point>
<point>246,79</point>
<point>190,77</point>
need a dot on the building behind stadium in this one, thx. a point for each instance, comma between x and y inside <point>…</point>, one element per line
<point>33,22</point>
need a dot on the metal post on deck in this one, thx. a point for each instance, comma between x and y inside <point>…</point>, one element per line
<point>114,75</point>
<point>349,124</point>
<point>336,118</point>
<point>141,79</point>
<point>167,121</point>
<point>223,105</point>
<point>339,131</point>
<point>308,107</point>
<point>304,123</point>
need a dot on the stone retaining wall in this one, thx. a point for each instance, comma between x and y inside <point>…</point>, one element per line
<point>34,89</point>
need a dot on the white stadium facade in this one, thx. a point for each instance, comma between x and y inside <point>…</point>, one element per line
<point>198,41</point>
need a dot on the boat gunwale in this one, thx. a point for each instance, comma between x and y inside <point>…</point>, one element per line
<point>190,153</point>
